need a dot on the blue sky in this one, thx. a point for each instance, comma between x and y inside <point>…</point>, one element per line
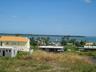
<point>62,17</point>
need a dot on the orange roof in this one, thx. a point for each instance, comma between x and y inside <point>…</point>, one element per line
<point>13,38</point>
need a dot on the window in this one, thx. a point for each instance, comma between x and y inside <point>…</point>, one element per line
<point>9,50</point>
<point>14,52</point>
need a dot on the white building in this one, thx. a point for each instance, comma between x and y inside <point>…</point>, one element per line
<point>21,43</point>
<point>8,51</point>
<point>89,47</point>
<point>52,48</point>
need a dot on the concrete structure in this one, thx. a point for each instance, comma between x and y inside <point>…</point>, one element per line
<point>52,48</point>
<point>89,43</point>
<point>21,43</point>
<point>88,48</point>
<point>8,51</point>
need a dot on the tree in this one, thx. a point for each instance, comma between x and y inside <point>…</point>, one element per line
<point>94,44</point>
<point>67,38</point>
<point>73,41</point>
<point>82,43</point>
<point>47,40</point>
<point>18,34</point>
<point>33,42</point>
<point>43,40</point>
<point>77,43</point>
<point>63,41</point>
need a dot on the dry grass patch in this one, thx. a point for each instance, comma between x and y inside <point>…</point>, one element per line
<point>58,57</point>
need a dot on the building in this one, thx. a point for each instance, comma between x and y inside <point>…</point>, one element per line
<point>52,48</point>
<point>21,43</point>
<point>89,43</point>
<point>88,48</point>
<point>8,51</point>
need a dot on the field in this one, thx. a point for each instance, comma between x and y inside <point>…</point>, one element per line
<point>41,61</point>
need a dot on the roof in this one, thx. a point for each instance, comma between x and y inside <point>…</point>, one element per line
<point>51,47</point>
<point>13,38</point>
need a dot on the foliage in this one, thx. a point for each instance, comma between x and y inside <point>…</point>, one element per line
<point>77,43</point>
<point>41,61</point>
<point>67,40</point>
<point>82,43</point>
<point>63,41</point>
<point>47,40</point>
<point>88,53</point>
<point>39,41</point>
<point>70,48</point>
<point>33,43</point>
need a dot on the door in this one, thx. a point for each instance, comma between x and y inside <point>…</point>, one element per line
<point>3,52</point>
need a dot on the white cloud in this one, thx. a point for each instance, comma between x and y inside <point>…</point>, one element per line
<point>88,1</point>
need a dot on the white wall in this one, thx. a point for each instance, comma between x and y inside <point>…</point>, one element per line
<point>27,46</point>
<point>7,52</point>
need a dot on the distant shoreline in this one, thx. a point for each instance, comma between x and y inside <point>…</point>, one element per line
<point>41,35</point>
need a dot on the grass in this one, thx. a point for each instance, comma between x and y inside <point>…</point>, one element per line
<point>88,53</point>
<point>71,48</point>
<point>41,61</point>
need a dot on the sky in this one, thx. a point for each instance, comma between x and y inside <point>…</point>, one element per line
<point>54,17</point>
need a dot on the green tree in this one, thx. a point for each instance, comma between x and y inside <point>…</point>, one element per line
<point>18,34</point>
<point>77,43</point>
<point>47,40</point>
<point>33,42</point>
<point>63,41</point>
<point>82,43</point>
<point>73,41</point>
<point>94,44</point>
<point>43,40</point>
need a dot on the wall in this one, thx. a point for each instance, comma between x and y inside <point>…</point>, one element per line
<point>21,46</point>
<point>8,52</point>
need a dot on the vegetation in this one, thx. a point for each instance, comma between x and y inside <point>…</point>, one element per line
<point>70,48</point>
<point>67,40</point>
<point>33,43</point>
<point>88,53</point>
<point>39,41</point>
<point>41,61</point>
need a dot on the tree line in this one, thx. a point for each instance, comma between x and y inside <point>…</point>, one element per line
<point>64,41</point>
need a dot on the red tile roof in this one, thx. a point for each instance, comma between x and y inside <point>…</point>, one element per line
<point>13,38</point>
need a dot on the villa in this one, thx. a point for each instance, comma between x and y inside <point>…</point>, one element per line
<point>20,43</point>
